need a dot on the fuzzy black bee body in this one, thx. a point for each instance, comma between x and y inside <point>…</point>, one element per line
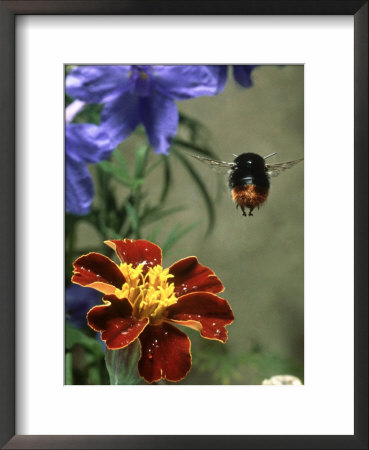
<point>248,177</point>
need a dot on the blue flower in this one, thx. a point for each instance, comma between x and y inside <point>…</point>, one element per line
<point>241,73</point>
<point>142,94</point>
<point>84,143</point>
<point>78,301</point>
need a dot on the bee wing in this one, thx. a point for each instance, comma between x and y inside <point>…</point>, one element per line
<point>275,169</point>
<point>219,166</point>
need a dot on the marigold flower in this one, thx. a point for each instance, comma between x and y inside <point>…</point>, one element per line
<point>142,300</point>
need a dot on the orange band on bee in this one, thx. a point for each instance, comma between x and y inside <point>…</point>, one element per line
<point>249,195</point>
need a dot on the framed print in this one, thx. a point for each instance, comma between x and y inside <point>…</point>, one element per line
<point>112,114</point>
<point>160,230</point>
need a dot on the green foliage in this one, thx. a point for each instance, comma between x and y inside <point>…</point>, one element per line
<point>68,368</point>
<point>89,114</point>
<point>202,188</point>
<point>130,217</point>
<point>224,365</point>
<point>198,135</point>
<point>115,171</point>
<point>74,336</point>
<point>84,358</point>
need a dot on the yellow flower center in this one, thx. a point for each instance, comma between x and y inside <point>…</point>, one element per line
<point>149,294</point>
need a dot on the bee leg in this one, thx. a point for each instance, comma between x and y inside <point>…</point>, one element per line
<point>243,210</point>
<point>250,211</point>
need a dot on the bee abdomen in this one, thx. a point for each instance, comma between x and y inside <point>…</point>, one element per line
<point>249,195</point>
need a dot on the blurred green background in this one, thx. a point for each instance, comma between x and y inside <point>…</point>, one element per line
<point>260,259</point>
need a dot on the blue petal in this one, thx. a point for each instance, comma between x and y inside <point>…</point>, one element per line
<point>183,82</point>
<point>222,76</point>
<point>78,301</point>
<point>120,118</point>
<point>98,84</point>
<point>79,189</point>
<point>159,115</point>
<point>73,109</point>
<point>86,142</point>
<point>242,74</point>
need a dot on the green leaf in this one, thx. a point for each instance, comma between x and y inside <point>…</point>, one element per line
<point>141,162</point>
<point>94,375</point>
<point>225,365</point>
<point>137,183</point>
<point>269,364</point>
<point>74,336</point>
<point>167,179</point>
<point>110,233</point>
<point>116,172</point>
<point>202,188</point>
<point>68,368</point>
<point>68,100</point>
<point>198,131</point>
<point>133,217</point>
<point>154,165</point>
<point>167,175</point>
<point>70,223</point>
<point>89,114</point>
<point>121,163</point>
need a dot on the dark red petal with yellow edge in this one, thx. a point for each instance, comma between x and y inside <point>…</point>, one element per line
<point>165,353</point>
<point>191,276</point>
<point>204,312</point>
<point>98,272</point>
<point>114,320</point>
<point>136,252</point>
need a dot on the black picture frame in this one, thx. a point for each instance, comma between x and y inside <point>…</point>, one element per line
<point>8,282</point>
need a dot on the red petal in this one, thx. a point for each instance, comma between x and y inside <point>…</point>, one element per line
<point>136,252</point>
<point>165,353</point>
<point>204,312</point>
<point>98,272</point>
<point>114,320</point>
<point>191,276</point>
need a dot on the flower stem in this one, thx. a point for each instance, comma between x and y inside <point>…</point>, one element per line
<point>122,364</point>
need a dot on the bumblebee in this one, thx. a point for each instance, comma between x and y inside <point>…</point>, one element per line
<point>249,177</point>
